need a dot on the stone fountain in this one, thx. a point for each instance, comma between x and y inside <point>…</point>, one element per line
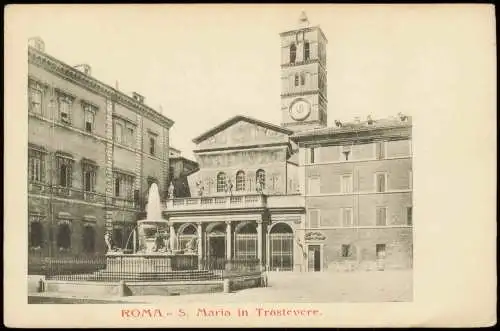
<point>158,252</point>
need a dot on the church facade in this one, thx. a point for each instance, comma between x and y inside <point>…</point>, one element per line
<point>301,196</point>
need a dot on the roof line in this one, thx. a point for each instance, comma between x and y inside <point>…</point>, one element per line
<point>236,118</point>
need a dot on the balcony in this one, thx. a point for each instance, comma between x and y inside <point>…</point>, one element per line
<point>123,202</point>
<point>65,192</point>
<point>217,202</point>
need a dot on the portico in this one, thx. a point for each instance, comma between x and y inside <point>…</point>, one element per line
<point>227,228</point>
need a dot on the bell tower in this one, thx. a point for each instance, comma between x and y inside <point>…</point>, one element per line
<point>303,77</point>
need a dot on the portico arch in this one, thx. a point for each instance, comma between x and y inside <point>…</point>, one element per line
<point>186,233</point>
<point>281,238</point>
<point>246,241</point>
<point>215,243</point>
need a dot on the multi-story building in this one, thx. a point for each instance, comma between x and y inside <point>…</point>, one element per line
<point>302,196</point>
<point>357,184</point>
<point>93,152</point>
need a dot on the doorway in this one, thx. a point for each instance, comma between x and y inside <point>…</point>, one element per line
<point>314,258</point>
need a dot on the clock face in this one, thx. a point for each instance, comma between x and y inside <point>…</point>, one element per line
<point>300,110</point>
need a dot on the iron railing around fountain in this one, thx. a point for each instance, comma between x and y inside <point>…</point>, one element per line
<point>123,267</point>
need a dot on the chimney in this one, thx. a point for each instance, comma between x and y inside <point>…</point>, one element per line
<point>85,68</point>
<point>138,97</point>
<point>37,43</point>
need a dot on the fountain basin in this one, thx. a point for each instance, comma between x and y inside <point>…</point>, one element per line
<point>150,262</point>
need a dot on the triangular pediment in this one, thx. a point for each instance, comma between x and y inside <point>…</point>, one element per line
<point>242,130</point>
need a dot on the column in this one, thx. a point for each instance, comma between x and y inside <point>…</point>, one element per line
<point>228,240</point>
<point>259,240</point>
<point>200,242</point>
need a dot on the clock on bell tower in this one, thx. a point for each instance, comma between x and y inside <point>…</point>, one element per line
<point>303,77</point>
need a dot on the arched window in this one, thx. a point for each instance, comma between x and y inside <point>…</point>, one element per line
<point>293,53</point>
<point>240,180</point>
<point>64,236</point>
<point>88,239</point>
<point>302,79</point>
<point>260,178</point>
<point>306,51</point>
<point>296,79</point>
<point>221,182</point>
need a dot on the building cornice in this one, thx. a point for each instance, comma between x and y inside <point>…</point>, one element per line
<point>282,144</point>
<point>342,135</point>
<point>306,29</point>
<point>295,94</point>
<point>60,68</point>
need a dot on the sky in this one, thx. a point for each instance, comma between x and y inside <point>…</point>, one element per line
<point>204,64</point>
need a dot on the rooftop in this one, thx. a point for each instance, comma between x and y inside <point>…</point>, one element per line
<point>401,121</point>
<point>82,74</point>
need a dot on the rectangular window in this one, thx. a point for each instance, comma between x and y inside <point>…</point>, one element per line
<point>381,182</point>
<point>89,177</point>
<point>346,152</point>
<point>380,251</point>
<point>118,132</point>
<point>346,184</point>
<point>152,143</point>
<point>312,155</point>
<point>35,105</point>
<point>314,218</point>
<point>347,216</point>
<point>35,166</point>
<point>381,216</point>
<point>65,109</point>
<point>89,119</point>
<point>409,215</point>
<point>65,171</point>
<point>123,186</point>
<point>380,150</point>
<point>117,186</point>
<point>131,137</point>
<point>314,185</point>
<point>346,251</point>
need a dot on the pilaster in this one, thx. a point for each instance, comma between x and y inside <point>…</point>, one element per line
<point>108,222</point>
<point>138,155</point>
<point>166,159</point>
<point>228,240</point>
<point>259,240</point>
